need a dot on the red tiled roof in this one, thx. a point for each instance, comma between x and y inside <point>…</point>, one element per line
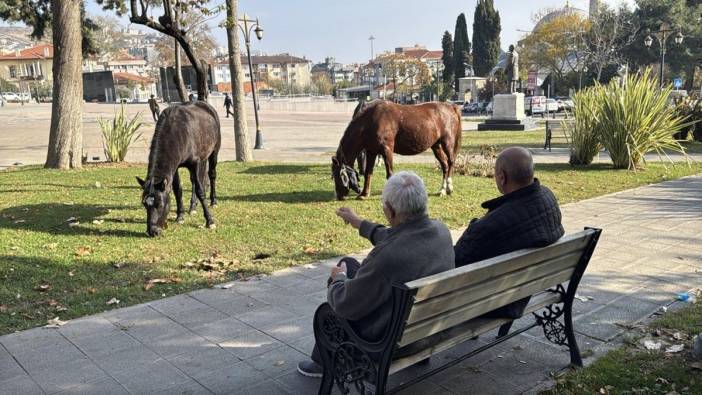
<point>31,53</point>
<point>423,54</point>
<point>126,77</point>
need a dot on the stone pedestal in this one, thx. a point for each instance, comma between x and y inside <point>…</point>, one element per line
<point>508,114</point>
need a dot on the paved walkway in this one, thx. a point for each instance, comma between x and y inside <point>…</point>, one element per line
<point>246,337</point>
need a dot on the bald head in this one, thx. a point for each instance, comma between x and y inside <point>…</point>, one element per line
<point>514,169</point>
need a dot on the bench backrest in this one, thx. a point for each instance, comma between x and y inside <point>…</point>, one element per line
<point>451,298</point>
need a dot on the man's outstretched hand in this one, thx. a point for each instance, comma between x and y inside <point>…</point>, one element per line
<point>349,217</point>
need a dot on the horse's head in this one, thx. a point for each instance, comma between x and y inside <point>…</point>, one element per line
<point>362,105</point>
<point>155,199</point>
<point>345,179</point>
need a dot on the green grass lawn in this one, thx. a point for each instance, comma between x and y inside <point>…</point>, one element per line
<point>285,211</point>
<point>633,370</point>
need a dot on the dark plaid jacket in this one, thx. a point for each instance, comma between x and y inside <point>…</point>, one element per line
<point>526,218</point>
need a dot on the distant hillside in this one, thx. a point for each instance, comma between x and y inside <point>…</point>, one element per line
<point>13,38</point>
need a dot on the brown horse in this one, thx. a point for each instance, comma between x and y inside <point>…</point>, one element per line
<point>381,128</point>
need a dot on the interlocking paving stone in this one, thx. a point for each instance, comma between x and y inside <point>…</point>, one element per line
<point>267,387</point>
<point>204,362</point>
<point>233,379</point>
<point>278,362</point>
<point>127,359</point>
<point>144,379</point>
<point>189,388</point>
<point>290,330</point>
<point>37,359</point>
<point>9,368</point>
<point>107,386</point>
<point>23,385</point>
<point>265,316</point>
<point>105,343</point>
<point>250,344</point>
<point>222,330</point>
<point>62,376</point>
<point>32,338</point>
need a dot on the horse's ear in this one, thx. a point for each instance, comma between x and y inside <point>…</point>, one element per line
<point>161,186</point>
<point>141,182</point>
<point>335,161</point>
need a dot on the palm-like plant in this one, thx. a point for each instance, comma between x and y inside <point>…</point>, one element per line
<point>634,118</point>
<point>119,134</point>
<point>585,143</point>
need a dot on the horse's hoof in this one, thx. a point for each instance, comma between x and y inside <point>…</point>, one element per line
<point>180,220</point>
<point>442,192</point>
<point>212,226</point>
<point>361,197</point>
<point>213,205</point>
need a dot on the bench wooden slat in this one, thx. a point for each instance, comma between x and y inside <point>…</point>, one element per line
<point>475,292</point>
<point>447,320</point>
<point>472,328</point>
<point>461,277</point>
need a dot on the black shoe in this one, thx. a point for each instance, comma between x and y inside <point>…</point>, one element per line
<point>310,369</point>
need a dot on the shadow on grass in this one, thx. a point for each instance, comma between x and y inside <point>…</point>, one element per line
<point>53,218</point>
<point>284,197</point>
<point>280,169</point>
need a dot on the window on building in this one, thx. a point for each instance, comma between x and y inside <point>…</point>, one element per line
<point>13,72</point>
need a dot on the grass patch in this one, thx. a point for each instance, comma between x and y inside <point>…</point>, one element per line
<point>632,370</point>
<point>282,210</point>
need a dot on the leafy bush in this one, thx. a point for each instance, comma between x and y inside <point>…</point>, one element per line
<point>634,118</point>
<point>119,134</point>
<point>477,164</point>
<point>585,143</point>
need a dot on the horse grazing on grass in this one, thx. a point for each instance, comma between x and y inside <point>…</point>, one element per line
<point>381,128</point>
<point>189,136</point>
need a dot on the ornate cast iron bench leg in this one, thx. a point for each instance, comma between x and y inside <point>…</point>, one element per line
<point>557,332</point>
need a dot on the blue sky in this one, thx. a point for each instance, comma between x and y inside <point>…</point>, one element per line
<point>340,28</point>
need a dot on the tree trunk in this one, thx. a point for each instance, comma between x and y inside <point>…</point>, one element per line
<point>66,133</point>
<point>178,74</point>
<point>241,131</point>
<point>690,69</point>
<point>199,66</point>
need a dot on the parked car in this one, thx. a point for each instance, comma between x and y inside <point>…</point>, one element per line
<point>488,108</point>
<point>535,105</point>
<point>10,97</point>
<point>565,103</point>
<point>471,108</point>
<point>551,105</point>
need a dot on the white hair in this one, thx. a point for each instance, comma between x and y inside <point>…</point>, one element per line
<point>405,193</point>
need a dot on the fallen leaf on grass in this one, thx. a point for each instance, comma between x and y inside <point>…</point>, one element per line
<point>83,251</point>
<point>311,250</point>
<point>112,301</point>
<point>675,348</point>
<point>3,308</point>
<point>70,273</point>
<point>50,246</point>
<point>55,323</point>
<point>19,221</point>
<point>651,345</point>
<point>92,290</point>
<point>98,221</point>
<point>696,365</point>
<point>150,283</point>
<point>43,287</point>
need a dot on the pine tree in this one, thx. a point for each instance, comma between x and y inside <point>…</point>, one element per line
<point>447,57</point>
<point>486,37</point>
<point>461,49</point>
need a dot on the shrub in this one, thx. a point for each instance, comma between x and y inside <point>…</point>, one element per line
<point>477,164</point>
<point>583,130</point>
<point>119,134</point>
<point>634,118</point>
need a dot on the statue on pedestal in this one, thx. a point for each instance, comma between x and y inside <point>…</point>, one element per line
<point>513,69</point>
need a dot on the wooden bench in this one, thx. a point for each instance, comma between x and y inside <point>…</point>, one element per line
<point>447,309</point>
<point>557,129</point>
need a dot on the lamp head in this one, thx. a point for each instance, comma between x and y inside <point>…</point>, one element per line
<point>679,38</point>
<point>648,41</point>
<point>259,31</point>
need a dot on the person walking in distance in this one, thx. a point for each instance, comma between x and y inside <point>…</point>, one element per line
<point>153,106</point>
<point>228,104</point>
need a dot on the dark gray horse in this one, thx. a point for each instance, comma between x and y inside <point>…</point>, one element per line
<point>189,136</point>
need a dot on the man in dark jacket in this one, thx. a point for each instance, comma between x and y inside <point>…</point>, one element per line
<point>525,216</point>
<point>228,104</point>
<point>413,247</point>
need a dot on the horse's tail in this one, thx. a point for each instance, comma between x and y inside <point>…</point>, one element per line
<point>458,131</point>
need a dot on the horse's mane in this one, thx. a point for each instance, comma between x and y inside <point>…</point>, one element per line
<point>354,127</point>
<point>155,146</point>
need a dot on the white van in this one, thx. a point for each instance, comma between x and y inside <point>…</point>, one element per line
<point>535,105</point>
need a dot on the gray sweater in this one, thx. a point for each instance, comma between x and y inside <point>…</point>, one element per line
<point>414,249</point>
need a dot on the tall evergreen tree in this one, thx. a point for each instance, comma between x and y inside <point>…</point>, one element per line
<point>461,49</point>
<point>486,37</point>
<point>447,57</point>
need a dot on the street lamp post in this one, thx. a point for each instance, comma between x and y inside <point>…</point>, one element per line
<point>247,26</point>
<point>580,80</point>
<point>662,36</point>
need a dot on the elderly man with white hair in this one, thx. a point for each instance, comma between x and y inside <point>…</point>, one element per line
<point>412,247</point>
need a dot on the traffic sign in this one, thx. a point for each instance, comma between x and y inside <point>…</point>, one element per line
<point>678,83</point>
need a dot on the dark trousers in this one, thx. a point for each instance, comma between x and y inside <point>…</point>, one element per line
<point>154,113</point>
<point>229,111</point>
<point>352,266</point>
